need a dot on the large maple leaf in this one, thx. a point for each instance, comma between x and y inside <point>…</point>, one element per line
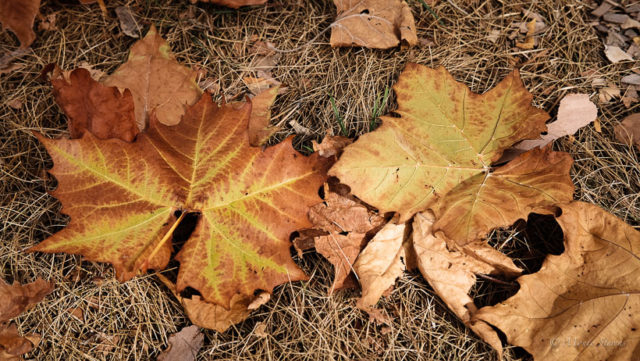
<point>122,198</point>
<point>582,304</point>
<point>444,135</point>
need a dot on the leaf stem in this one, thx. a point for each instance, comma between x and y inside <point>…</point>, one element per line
<point>166,237</point>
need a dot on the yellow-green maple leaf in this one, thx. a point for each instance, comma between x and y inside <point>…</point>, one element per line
<point>122,197</point>
<point>444,135</point>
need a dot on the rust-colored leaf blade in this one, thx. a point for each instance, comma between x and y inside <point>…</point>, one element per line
<point>538,178</point>
<point>158,83</point>
<point>445,134</point>
<point>18,16</point>
<point>582,304</point>
<point>89,105</point>
<point>120,203</point>
<point>17,298</point>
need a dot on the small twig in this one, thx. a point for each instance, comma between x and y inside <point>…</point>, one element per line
<point>458,8</point>
<point>496,280</point>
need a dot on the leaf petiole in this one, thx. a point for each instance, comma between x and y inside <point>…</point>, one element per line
<point>166,237</point>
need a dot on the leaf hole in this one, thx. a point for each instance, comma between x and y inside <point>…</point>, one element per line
<point>189,292</point>
<point>184,229</point>
<point>321,192</point>
<point>365,11</point>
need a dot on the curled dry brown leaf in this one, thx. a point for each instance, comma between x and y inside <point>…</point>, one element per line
<point>584,303</point>
<point>347,224</point>
<point>18,16</point>
<point>379,265</point>
<point>379,24</point>
<point>452,273</point>
<point>159,85</point>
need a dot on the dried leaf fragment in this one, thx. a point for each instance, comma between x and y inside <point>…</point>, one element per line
<point>17,298</point>
<point>128,22</point>
<point>346,223</point>
<point>184,345</point>
<point>331,145</point>
<point>582,304</point>
<point>341,251</point>
<point>89,105</point>
<point>378,24</point>
<point>18,16</point>
<point>259,129</point>
<point>615,54</point>
<point>576,111</point>
<point>628,131</point>
<point>12,345</point>
<point>530,41</point>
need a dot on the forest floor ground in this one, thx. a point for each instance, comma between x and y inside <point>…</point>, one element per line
<point>91,316</point>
